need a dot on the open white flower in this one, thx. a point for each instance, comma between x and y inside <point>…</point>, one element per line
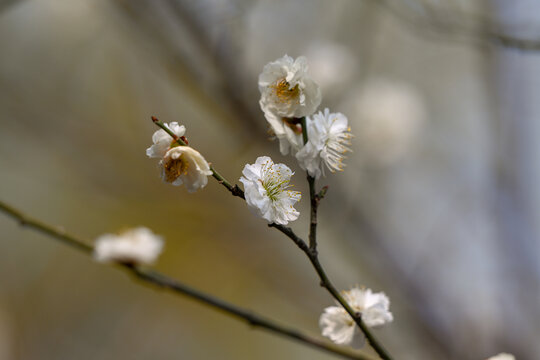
<point>503,356</point>
<point>184,165</point>
<point>138,246</point>
<point>265,188</point>
<point>287,90</point>
<point>163,141</point>
<point>328,139</point>
<point>339,326</point>
<point>287,93</point>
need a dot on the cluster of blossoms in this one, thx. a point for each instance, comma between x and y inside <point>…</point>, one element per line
<point>289,99</point>
<point>288,94</point>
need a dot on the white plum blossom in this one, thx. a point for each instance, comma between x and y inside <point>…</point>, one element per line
<point>328,139</point>
<point>287,94</point>
<point>340,327</point>
<point>503,356</point>
<point>185,165</point>
<point>266,190</point>
<point>287,90</point>
<point>179,164</point>
<point>163,141</point>
<point>138,246</point>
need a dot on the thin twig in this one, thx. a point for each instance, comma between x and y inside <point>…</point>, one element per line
<point>156,279</point>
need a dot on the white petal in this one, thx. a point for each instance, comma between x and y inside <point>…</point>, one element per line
<point>337,325</point>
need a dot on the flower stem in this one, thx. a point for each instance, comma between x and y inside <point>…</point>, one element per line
<point>314,199</point>
<point>162,281</point>
<point>234,189</point>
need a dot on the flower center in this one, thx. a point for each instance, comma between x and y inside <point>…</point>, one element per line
<point>284,93</point>
<point>174,168</point>
<point>273,182</point>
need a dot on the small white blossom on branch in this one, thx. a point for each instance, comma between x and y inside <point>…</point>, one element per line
<point>503,356</point>
<point>329,138</point>
<point>338,325</point>
<point>266,189</point>
<point>184,165</point>
<point>163,141</point>
<point>138,246</point>
<point>179,164</point>
<point>287,93</point>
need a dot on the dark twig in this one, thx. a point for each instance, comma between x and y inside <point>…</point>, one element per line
<point>156,279</point>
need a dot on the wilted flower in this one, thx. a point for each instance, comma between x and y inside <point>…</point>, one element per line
<point>137,246</point>
<point>265,187</point>
<point>503,356</point>
<point>184,165</point>
<point>287,94</point>
<point>179,164</point>
<point>163,141</point>
<point>338,325</point>
<point>328,140</point>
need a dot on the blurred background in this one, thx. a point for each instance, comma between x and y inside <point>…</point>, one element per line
<point>439,206</point>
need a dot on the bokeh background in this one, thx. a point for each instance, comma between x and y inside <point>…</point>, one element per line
<point>439,206</point>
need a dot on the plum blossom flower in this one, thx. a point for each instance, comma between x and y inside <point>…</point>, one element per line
<point>503,356</point>
<point>329,138</point>
<point>287,93</point>
<point>163,141</point>
<point>339,326</point>
<point>266,189</point>
<point>184,165</point>
<point>179,164</point>
<point>139,246</point>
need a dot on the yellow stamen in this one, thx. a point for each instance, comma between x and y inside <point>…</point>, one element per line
<point>174,168</point>
<point>284,93</point>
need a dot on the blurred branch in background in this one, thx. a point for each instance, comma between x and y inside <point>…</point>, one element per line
<point>215,63</point>
<point>162,281</point>
<point>448,22</point>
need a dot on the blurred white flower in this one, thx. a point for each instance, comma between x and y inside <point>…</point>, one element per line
<point>184,165</point>
<point>503,356</point>
<point>328,139</point>
<point>287,93</point>
<point>388,118</point>
<point>331,64</point>
<point>338,325</point>
<point>138,246</point>
<point>163,141</point>
<point>265,187</point>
